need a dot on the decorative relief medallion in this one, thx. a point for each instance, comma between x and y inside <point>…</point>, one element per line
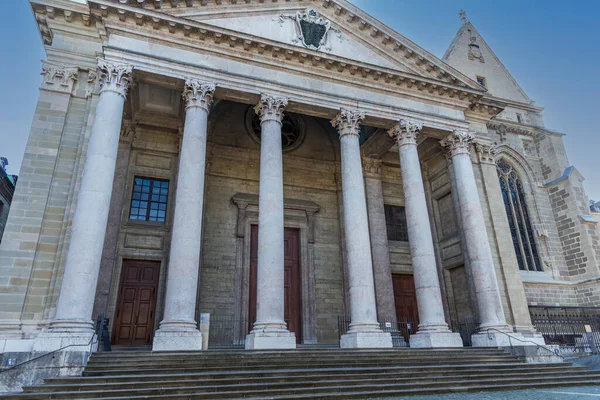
<point>198,94</point>
<point>312,28</point>
<point>58,77</point>
<point>114,77</point>
<point>458,142</point>
<point>348,122</point>
<point>406,132</point>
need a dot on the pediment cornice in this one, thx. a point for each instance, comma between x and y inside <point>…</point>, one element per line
<point>150,15</point>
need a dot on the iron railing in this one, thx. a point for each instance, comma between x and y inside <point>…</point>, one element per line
<point>568,327</point>
<point>466,327</point>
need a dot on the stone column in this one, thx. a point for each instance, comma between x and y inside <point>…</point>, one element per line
<point>364,329</point>
<point>489,304</point>
<point>384,289</point>
<point>433,329</point>
<point>270,330</point>
<point>72,322</point>
<point>178,329</point>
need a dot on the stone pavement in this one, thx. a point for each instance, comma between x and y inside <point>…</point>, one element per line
<point>562,393</point>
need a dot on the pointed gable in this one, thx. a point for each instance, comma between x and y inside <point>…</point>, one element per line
<point>472,56</point>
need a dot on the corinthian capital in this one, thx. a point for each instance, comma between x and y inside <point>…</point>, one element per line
<point>114,77</point>
<point>58,77</point>
<point>458,142</point>
<point>486,153</point>
<point>406,132</point>
<point>270,108</point>
<point>198,94</point>
<point>348,122</point>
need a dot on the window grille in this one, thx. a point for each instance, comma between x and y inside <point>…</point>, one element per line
<point>149,200</point>
<point>395,219</point>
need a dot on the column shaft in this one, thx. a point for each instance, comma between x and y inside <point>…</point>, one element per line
<point>433,329</point>
<point>364,329</point>
<point>179,330</point>
<point>76,299</point>
<point>384,289</point>
<point>270,330</point>
<point>489,304</point>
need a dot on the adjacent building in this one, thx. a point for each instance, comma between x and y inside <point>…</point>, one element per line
<point>297,170</point>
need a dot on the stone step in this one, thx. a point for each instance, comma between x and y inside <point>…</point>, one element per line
<point>347,379</point>
<point>287,390</point>
<point>111,370</point>
<point>248,374</point>
<point>306,361</point>
<point>96,360</point>
<point>284,353</point>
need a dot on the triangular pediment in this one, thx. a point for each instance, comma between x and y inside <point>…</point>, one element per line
<point>354,35</point>
<point>470,54</point>
<point>358,48</point>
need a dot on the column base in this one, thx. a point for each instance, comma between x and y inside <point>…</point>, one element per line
<point>366,340</point>
<point>177,340</point>
<point>265,340</point>
<point>429,340</point>
<point>69,341</point>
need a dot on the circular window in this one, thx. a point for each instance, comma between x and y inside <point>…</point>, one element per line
<point>292,129</point>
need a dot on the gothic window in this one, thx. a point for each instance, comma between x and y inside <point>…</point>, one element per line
<point>395,219</point>
<point>149,200</point>
<point>519,220</point>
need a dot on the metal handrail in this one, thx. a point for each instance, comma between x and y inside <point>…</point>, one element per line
<point>539,346</point>
<point>90,343</point>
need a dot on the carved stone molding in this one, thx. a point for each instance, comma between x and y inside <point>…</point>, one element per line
<point>58,77</point>
<point>198,94</point>
<point>271,108</point>
<point>92,79</point>
<point>458,142</point>
<point>114,77</point>
<point>502,129</point>
<point>348,122</point>
<point>406,132</point>
<point>372,167</point>
<point>486,153</point>
<point>128,131</point>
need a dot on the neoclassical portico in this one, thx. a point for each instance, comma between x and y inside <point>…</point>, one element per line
<point>179,328</point>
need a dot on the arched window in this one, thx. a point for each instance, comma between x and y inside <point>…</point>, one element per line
<point>518,218</point>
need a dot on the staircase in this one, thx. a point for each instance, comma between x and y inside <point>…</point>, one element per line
<point>304,374</point>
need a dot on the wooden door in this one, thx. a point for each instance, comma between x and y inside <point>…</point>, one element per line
<point>292,293</point>
<point>405,297</point>
<point>136,305</point>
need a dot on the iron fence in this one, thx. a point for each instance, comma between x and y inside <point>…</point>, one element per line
<point>574,329</point>
<point>400,330</point>
<point>227,332</point>
<point>466,327</point>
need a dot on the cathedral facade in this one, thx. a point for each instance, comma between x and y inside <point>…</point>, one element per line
<point>277,168</point>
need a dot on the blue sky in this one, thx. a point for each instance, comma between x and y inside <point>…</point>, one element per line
<point>551,47</point>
